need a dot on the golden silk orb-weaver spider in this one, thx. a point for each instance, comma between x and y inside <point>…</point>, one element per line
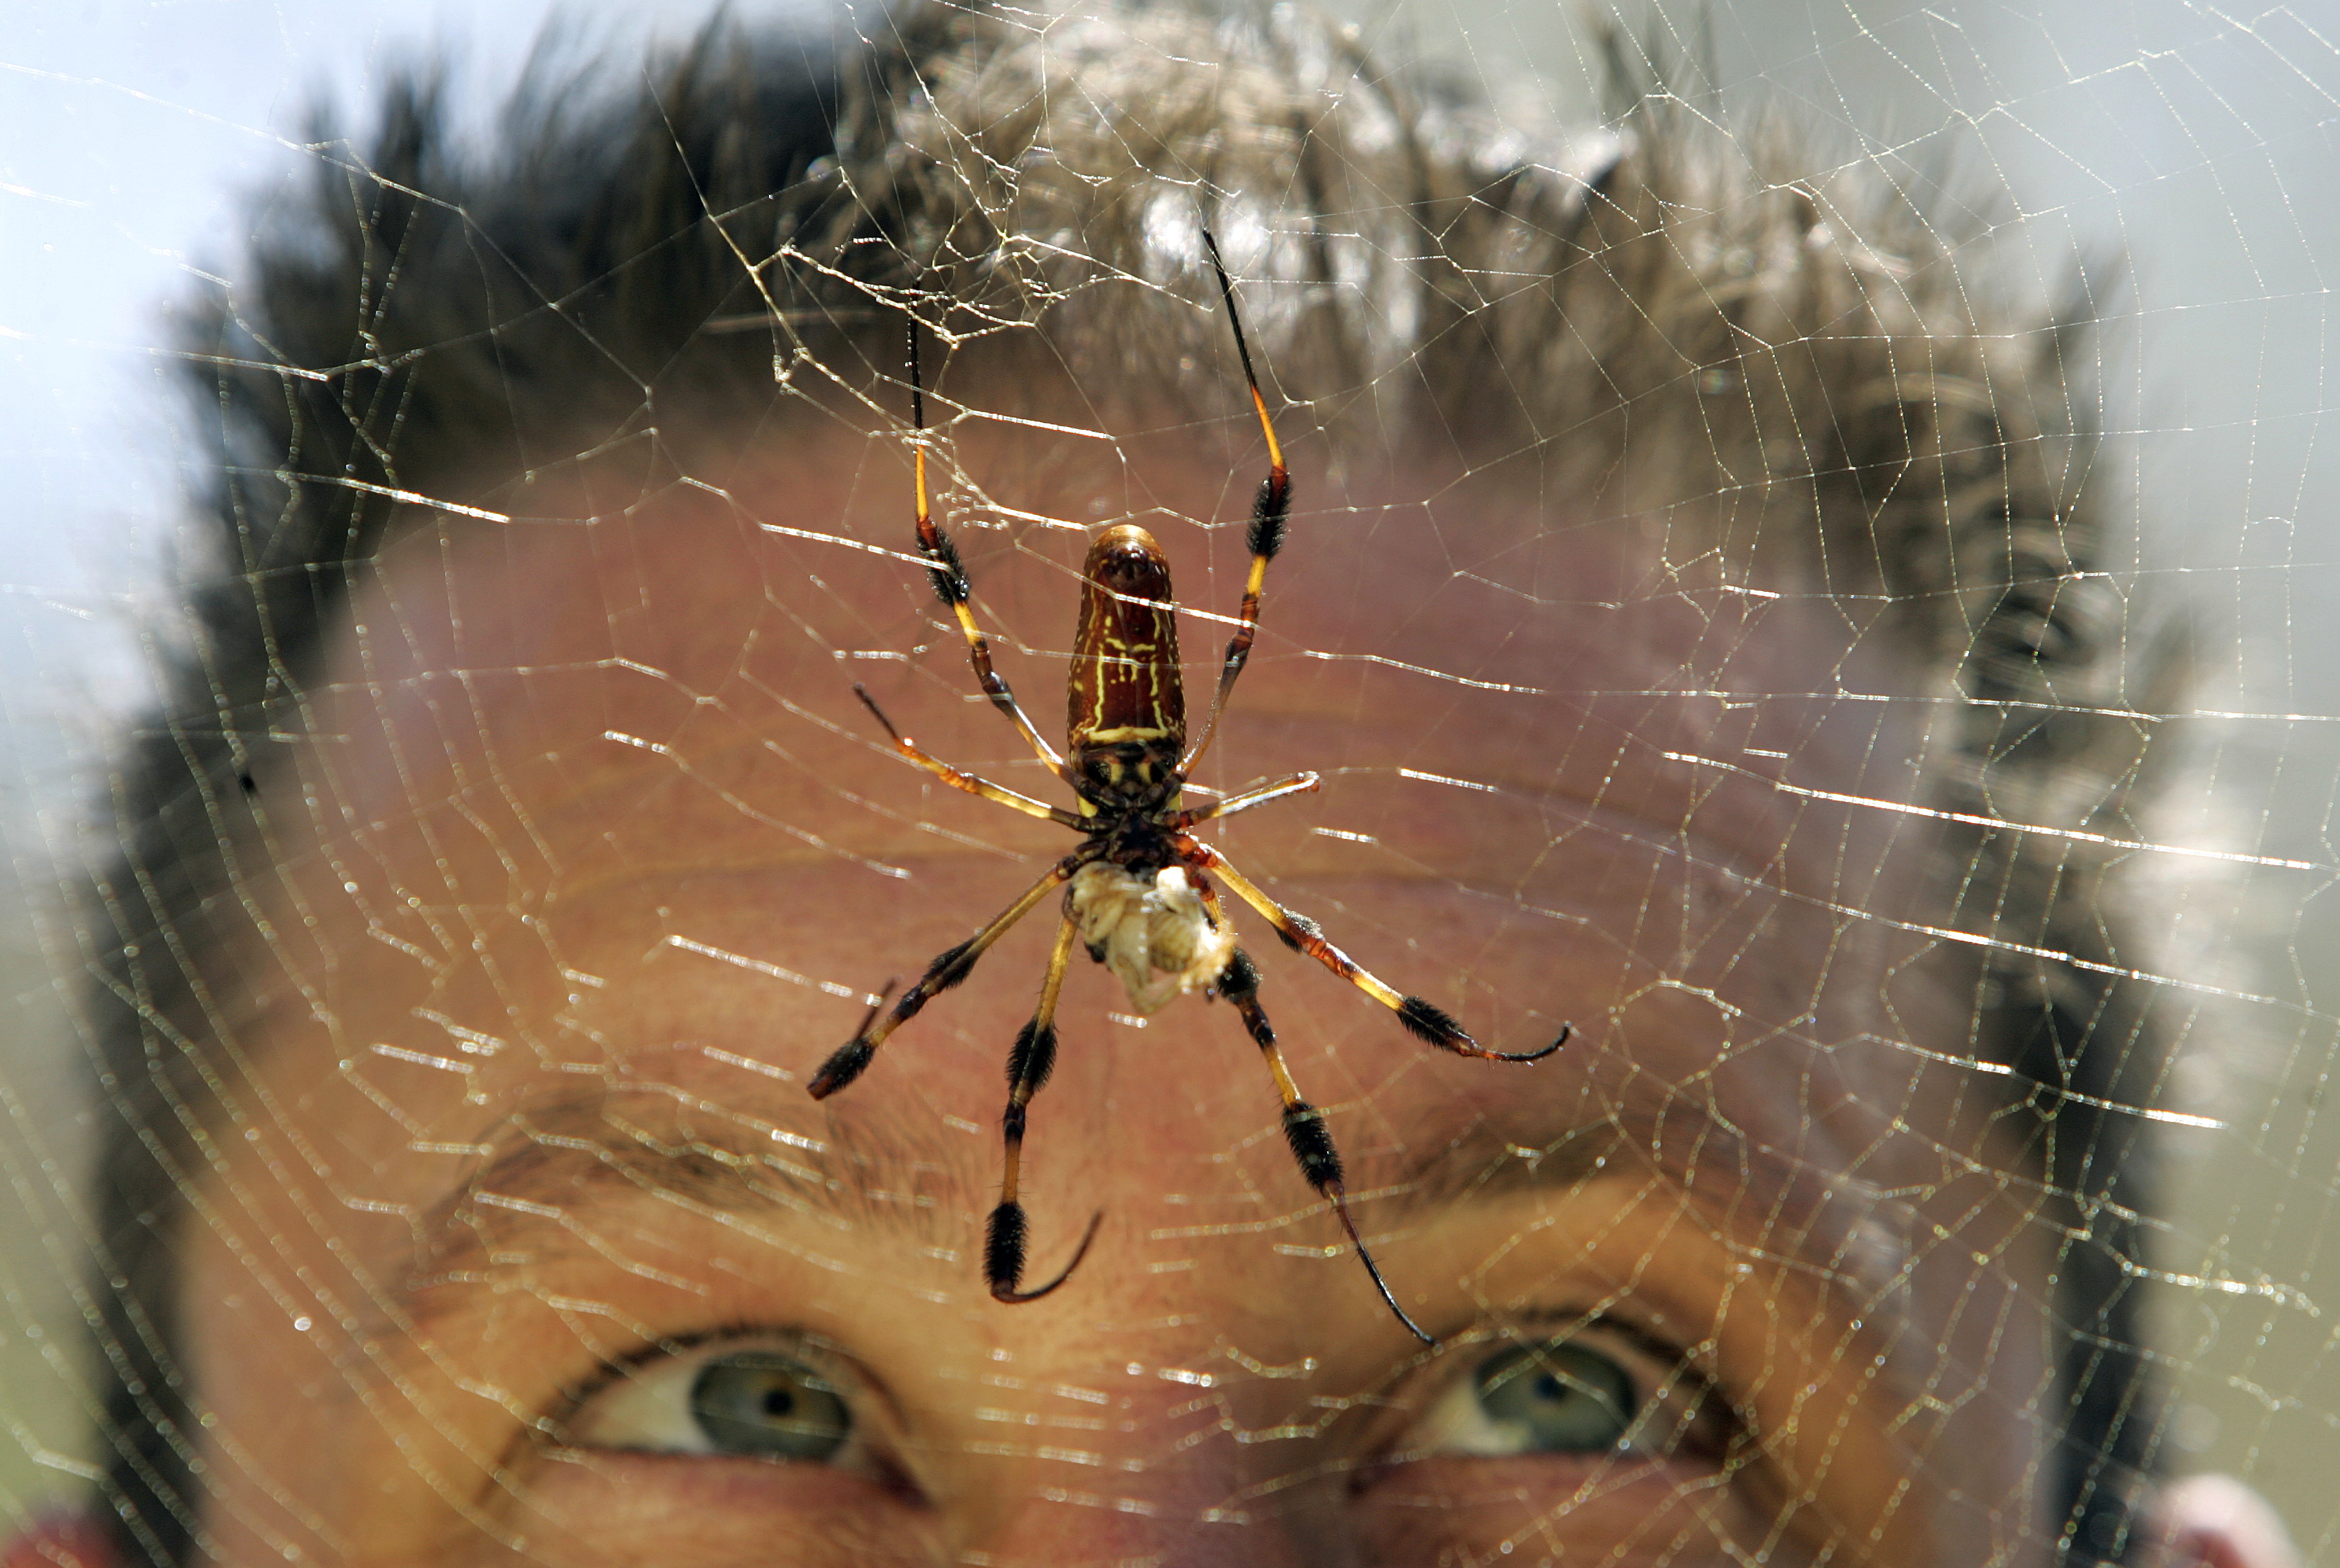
<point>1138,889</point>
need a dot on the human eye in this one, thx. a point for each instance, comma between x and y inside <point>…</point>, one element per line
<point>1592,1390</point>
<point>772,1397</point>
<point>1583,1437</point>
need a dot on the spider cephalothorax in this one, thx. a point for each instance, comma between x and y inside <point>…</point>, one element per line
<point>1139,893</point>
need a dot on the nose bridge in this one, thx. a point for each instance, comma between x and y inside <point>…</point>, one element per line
<point>1174,1481</point>
<point>1170,1519</point>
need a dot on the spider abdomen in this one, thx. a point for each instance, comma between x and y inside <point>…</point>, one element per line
<point>1125,687</point>
<point>1153,930</point>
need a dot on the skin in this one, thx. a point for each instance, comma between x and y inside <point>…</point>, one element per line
<point>595,858</point>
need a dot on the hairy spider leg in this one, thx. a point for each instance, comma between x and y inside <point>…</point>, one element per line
<point>1298,784</point>
<point>1271,510</point>
<point>1303,1124</point>
<point>952,586</point>
<point>971,783</point>
<point>1028,1065</point>
<point>949,967</point>
<point>1425,1022</point>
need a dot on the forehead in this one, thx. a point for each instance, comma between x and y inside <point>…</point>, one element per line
<point>1574,768</point>
<point>1552,649</point>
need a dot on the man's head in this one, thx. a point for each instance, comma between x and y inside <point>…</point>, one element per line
<point>1688,580</point>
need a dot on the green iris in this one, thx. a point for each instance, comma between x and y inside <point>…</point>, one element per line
<point>1559,1398</point>
<point>763,1403</point>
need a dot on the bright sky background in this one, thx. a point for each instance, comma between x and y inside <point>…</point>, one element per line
<point>131,131</point>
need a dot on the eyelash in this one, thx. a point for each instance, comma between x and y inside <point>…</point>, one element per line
<point>1680,1379</point>
<point>582,1393</point>
<point>580,1396</point>
<point>1710,1423</point>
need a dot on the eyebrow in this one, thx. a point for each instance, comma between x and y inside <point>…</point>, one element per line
<point>558,1161</point>
<point>555,1163</point>
<point>1475,1163</point>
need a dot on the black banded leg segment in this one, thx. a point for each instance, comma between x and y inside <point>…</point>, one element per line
<point>949,967</point>
<point>1431,1024</point>
<point>1303,1124</point>
<point>948,575</point>
<point>1271,513</point>
<point>1028,1065</point>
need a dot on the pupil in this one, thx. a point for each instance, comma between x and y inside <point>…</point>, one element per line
<point>769,1404</point>
<point>1559,1397</point>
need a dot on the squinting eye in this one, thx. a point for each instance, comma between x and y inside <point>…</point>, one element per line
<point>1560,1398</point>
<point>757,1402</point>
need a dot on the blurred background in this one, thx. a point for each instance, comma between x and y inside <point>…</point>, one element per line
<point>2197,147</point>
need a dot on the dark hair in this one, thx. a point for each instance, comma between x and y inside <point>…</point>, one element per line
<point>424,321</point>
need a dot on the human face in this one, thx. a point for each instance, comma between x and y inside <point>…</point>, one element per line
<point>592,858</point>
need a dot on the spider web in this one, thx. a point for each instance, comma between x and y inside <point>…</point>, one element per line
<point>2191,146</point>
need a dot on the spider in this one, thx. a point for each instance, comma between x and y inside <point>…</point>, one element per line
<point>1138,887</point>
